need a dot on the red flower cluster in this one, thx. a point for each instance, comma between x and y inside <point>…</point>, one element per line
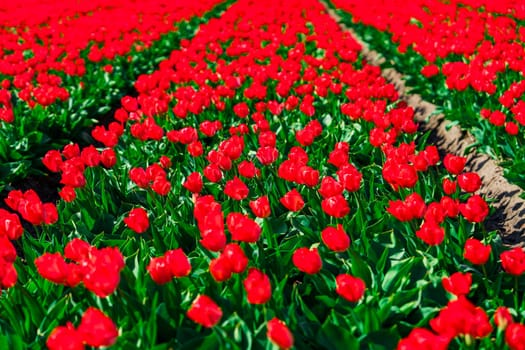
<point>92,25</point>
<point>403,164</point>
<point>242,228</point>
<point>210,220</point>
<point>96,329</point>
<point>294,169</point>
<point>413,207</point>
<point>98,269</point>
<point>72,162</point>
<point>6,108</point>
<point>154,177</point>
<point>31,208</point>
<point>174,263</point>
<point>8,274</point>
<point>211,72</point>
<point>307,135</point>
<point>232,260</point>
<point>461,317</point>
<point>421,338</point>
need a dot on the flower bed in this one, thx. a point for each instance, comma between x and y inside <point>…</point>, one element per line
<point>464,56</point>
<point>265,186</point>
<point>64,66</point>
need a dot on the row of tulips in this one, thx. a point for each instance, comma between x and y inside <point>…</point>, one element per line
<point>266,186</point>
<point>63,66</point>
<point>467,57</point>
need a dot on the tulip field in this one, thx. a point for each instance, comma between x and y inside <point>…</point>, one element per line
<point>223,174</point>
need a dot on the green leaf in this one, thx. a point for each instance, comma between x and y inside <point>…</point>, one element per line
<point>384,339</point>
<point>397,274</point>
<point>361,269</point>
<point>337,338</point>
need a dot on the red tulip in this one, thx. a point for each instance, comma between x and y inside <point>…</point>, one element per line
<point>458,283</point>
<point>204,311</point>
<point>421,338</point>
<point>475,209</point>
<point>476,252</point>
<point>469,182</point>
<point>212,172</point>
<point>53,160</point>
<point>161,186</point>
<point>515,336</point>
<point>236,257</point>
<point>236,189</point>
<point>349,177</point>
<point>68,194</point>
<point>261,207</point>
<point>242,228</point>
<point>460,316</point>
<point>213,239</point>
<point>7,250</point>
<point>139,177</point>
<point>279,334</point>
<point>8,275</point>
<point>513,261</point>
<point>449,186</point>
<point>159,271</point>
<point>502,317</point>
<point>103,274</point>
<point>267,155</point>
<point>293,200</point>
<point>10,225</point>
<point>330,187</point>
<point>97,329</point>
<point>258,287</point>
<point>77,250</point>
<point>65,338</point>
<point>52,267</point>
<point>90,156</point>
<point>178,262</point>
<point>454,164</point>
<point>431,233</point>
<point>349,287</point>
<point>307,260</point>
<point>336,206</point>
<point>137,220</point>
<point>247,169</point>
<point>335,239</point>
<point>193,182</point>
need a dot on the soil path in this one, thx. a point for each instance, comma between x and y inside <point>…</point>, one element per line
<point>508,216</point>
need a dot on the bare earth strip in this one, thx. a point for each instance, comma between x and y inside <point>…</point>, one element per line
<point>508,217</point>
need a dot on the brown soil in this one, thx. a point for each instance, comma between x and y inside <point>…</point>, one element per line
<point>508,215</point>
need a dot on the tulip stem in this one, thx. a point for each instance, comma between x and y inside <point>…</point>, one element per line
<point>489,290</point>
<point>271,240</point>
<point>516,302</point>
